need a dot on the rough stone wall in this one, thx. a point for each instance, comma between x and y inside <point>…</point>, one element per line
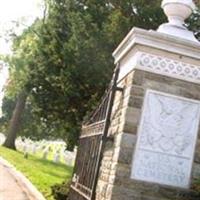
<point>114,181</point>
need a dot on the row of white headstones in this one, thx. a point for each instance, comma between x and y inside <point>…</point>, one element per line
<point>44,149</point>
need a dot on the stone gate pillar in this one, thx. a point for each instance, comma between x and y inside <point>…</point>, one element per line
<point>155,151</point>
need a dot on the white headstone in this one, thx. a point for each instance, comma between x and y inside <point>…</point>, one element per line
<point>166,140</point>
<point>25,148</point>
<point>2,138</point>
<point>34,147</point>
<point>57,156</point>
<point>45,153</point>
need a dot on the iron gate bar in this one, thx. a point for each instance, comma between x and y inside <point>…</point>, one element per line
<point>100,127</point>
<point>114,88</point>
<point>85,179</point>
<point>78,191</point>
<point>95,116</point>
<point>92,145</point>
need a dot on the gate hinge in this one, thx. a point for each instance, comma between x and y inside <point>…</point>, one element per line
<point>119,89</point>
<point>110,139</point>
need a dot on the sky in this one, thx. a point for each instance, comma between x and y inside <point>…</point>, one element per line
<point>12,11</point>
<point>24,11</point>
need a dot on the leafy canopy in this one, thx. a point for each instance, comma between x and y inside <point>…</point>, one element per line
<point>64,60</point>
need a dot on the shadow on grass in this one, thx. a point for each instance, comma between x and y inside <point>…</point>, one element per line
<point>51,163</point>
<point>67,176</point>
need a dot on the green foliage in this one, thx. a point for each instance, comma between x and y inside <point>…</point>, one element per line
<point>75,62</point>
<point>60,191</point>
<point>64,60</point>
<point>20,63</point>
<point>194,22</point>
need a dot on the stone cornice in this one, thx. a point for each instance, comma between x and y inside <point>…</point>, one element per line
<point>163,66</point>
<point>159,41</point>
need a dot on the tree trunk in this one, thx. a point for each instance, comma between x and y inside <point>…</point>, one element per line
<point>15,121</point>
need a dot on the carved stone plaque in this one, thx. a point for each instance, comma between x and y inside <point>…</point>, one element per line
<point>166,140</point>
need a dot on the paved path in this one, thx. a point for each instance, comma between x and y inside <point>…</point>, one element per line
<point>9,187</point>
<point>14,186</point>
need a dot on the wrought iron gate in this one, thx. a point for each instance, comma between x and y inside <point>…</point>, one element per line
<point>91,147</point>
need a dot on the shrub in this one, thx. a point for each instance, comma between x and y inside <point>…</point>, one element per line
<point>60,191</point>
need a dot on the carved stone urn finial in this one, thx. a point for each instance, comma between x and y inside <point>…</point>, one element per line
<point>177,11</point>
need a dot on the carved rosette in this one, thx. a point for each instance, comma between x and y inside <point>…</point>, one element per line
<point>168,67</point>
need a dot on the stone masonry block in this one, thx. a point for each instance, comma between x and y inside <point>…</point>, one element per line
<point>196,171</point>
<point>138,77</point>
<point>197,152</point>
<point>132,115</point>
<point>130,128</point>
<point>128,140</point>
<point>125,155</point>
<point>137,91</point>
<point>109,191</point>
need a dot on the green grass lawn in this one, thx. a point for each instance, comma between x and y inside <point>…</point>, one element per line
<point>42,173</point>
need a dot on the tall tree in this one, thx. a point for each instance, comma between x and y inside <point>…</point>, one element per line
<point>19,86</point>
<point>64,61</point>
<point>14,124</point>
<point>75,66</point>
